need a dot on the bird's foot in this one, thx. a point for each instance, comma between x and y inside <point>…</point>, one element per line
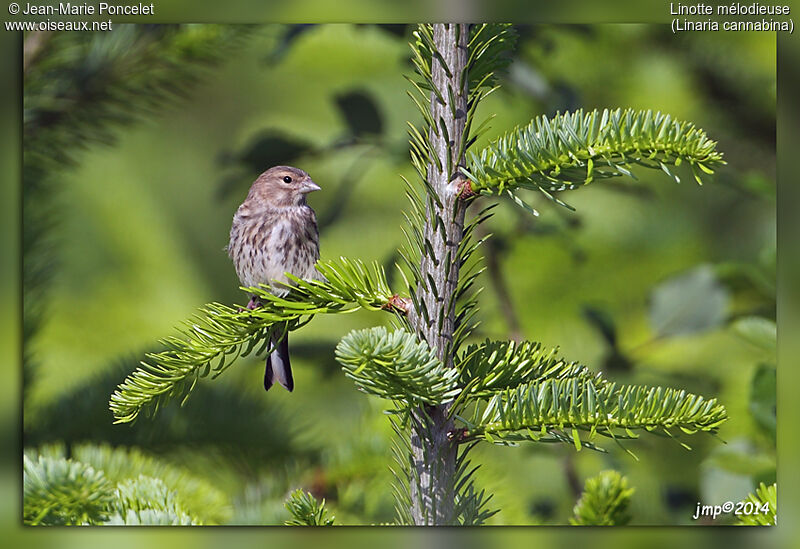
<point>251,305</point>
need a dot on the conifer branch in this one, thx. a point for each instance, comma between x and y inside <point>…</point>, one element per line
<point>396,366</point>
<point>536,410</point>
<point>497,365</point>
<point>219,334</point>
<point>61,492</point>
<point>148,500</point>
<point>306,510</point>
<point>574,149</point>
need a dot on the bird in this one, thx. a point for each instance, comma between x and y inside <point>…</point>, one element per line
<point>274,232</point>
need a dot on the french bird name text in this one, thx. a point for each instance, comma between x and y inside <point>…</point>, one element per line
<point>735,8</point>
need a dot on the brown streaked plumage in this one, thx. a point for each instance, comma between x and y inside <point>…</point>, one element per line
<point>274,232</point>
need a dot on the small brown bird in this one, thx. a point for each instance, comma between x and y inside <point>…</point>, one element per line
<point>274,232</point>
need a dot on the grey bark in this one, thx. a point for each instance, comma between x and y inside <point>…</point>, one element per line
<point>433,489</point>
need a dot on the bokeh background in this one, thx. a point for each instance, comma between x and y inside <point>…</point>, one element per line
<point>645,281</point>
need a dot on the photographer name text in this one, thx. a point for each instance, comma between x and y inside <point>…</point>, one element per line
<point>102,8</point>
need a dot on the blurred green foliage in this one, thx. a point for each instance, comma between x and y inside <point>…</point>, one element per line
<point>306,510</point>
<point>141,226</point>
<point>604,501</point>
<point>100,485</point>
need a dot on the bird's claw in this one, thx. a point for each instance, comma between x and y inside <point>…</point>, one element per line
<point>252,305</point>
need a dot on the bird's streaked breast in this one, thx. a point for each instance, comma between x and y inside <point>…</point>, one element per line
<point>265,246</point>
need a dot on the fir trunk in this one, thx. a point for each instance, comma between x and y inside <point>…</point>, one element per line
<point>433,489</point>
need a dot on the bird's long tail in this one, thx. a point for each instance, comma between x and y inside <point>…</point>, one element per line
<point>278,367</point>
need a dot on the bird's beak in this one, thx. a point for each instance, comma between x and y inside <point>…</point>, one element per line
<point>309,186</point>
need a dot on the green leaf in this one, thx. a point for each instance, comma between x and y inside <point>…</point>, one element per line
<point>604,501</point>
<point>741,458</point>
<point>763,389</point>
<point>759,331</point>
<point>395,366</point>
<point>689,303</point>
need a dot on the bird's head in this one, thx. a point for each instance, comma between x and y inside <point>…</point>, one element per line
<point>281,187</point>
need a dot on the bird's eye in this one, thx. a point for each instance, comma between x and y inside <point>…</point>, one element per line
<point>287,179</point>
